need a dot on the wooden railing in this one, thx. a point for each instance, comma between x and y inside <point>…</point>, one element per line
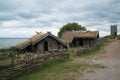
<point>30,61</point>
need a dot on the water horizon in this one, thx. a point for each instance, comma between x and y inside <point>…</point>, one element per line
<point>7,42</point>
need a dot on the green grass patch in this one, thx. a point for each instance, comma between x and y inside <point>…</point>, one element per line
<point>63,69</point>
<point>8,49</point>
<point>73,53</point>
<point>55,70</point>
<point>98,66</point>
<point>3,56</point>
<point>96,51</point>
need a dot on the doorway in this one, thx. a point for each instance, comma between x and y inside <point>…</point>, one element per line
<point>45,46</point>
<point>115,34</point>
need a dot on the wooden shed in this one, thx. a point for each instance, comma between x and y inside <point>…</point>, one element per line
<point>78,38</point>
<point>42,42</point>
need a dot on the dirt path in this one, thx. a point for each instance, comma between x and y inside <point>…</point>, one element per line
<point>111,60</point>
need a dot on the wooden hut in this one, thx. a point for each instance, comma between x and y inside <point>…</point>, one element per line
<point>78,38</point>
<point>42,42</point>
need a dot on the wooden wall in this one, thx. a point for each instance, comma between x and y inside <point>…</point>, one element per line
<point>83,42</point>
<point>52,44</point>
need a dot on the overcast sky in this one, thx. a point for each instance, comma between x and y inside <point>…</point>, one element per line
<point>21,18</point>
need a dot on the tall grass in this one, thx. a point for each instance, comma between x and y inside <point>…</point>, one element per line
<point>55,70</point>
<point>61,69</point>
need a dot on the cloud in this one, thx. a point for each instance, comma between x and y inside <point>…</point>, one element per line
<point>24,32</point>
<point>28,16</point>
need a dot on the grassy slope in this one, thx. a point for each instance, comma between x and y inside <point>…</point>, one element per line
<point>69,69</point>
<point>56,70</point>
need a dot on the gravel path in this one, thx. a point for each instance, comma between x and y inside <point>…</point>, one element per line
<point>111,60</point>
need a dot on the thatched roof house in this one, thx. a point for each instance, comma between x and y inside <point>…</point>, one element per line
<point>78,38</point>
<point>41,42</point>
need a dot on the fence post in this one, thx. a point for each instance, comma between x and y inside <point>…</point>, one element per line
<point>12,58</point>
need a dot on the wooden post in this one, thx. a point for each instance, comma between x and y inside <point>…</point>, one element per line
<point>12,58</point>
<point>38,54</point>
<point>77,46</point>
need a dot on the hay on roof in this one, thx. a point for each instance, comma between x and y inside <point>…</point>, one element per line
<point>32,43</point>
<point>22,44</point>
<point>37,36</point>
<point>68,36</point>
<point>33,39</point>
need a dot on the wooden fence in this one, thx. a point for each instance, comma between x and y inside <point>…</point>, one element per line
<point>94,47</point>
<point>29,61</point>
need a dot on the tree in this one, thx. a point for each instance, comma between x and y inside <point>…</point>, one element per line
<point>70,27</point>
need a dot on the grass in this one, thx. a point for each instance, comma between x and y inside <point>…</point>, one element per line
<point>98,66</point>
<point>56,70</point>
<point>8,49</point>
<point>62,69</point>
<point>67,69</point>
<point>95,53</point>
<point>3,55</point>
<point>4,59</point>
<point>73,53</point>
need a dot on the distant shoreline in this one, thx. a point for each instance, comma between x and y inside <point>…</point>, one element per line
<point>11,38</point>
<point>7,42</point>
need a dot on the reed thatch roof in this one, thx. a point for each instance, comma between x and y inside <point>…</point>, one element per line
<point>35,39</point>
<point>70,35</point>
<point>30,41</point>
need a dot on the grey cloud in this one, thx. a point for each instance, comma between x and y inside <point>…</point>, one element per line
<point>26,15</point>
<point>44,13</point>
<point>7,16</point>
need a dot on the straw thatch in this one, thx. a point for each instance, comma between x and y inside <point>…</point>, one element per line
<point>70,35</point>
<point>30,41</point>
<point>36,38</point>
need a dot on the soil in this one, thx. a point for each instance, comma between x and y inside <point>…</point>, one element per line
<point>111,60</point>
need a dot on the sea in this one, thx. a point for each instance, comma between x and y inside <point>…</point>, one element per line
<point>10,42</point>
